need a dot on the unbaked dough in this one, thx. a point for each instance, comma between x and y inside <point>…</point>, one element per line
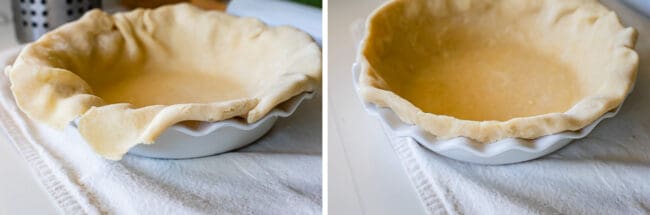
<point>495,69</point>
<point>130,76</point>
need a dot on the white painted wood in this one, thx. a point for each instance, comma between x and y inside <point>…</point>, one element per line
<point>378,179</point>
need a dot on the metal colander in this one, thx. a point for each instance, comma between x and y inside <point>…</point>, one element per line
<point>33,18</point>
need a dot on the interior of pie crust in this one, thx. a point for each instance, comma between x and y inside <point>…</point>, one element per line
<point>473,66</point>
<point>473,76</point>
<point>129,76</point>
<point>494,61</point>
<point>170,66</point>
<point>167,88</point>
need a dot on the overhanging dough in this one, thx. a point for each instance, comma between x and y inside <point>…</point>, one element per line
<point>130,76</point>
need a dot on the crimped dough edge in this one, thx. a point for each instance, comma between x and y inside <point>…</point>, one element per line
<point>373,88</point>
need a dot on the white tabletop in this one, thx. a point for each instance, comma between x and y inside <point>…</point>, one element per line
<point>365,176</point>
<point>20,193</point>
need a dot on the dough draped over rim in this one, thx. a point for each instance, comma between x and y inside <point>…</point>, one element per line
<point>129,76</point>
<point>495,69</point>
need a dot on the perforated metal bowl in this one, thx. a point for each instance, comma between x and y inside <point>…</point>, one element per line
<point>33,18</point>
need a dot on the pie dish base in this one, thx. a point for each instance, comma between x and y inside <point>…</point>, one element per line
<point>504,151</point>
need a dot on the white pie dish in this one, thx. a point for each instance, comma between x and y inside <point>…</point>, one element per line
<point>210,138</point>
<point>504,151</point>
<point>180,141</point>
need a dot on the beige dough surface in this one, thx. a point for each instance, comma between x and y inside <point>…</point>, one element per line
<point>168,88</point>
<point>129,76</point>
<point>478,81</point>
<point>495,69</point>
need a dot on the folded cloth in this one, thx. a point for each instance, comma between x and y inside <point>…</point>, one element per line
<point>594,176</point>
<point>608,172</point>
<point>279,174</point>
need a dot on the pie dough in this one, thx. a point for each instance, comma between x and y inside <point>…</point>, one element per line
<point>496,69</point>
<point>127,77</point>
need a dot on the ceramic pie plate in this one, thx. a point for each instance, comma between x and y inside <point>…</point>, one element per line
<point>504,151</point>
<point>202,138</point>
<point>182,141</point>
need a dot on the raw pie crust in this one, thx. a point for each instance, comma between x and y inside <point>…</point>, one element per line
<point>496,69</point>
<point>130,76</point>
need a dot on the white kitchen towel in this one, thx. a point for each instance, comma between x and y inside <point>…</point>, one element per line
<point>608,172</point>
<point>279,174</point>
<point>593,176</point>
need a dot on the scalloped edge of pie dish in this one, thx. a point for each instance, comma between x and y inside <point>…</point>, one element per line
<point>208,139</point>
<point>504,151</point>
<point>179,141</point>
